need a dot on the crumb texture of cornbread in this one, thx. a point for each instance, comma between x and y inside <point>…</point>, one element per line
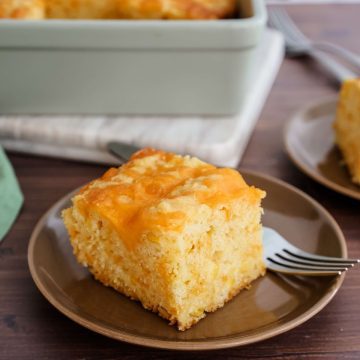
<point>177,234</point>
<point>347,126</point>
<point>116,9</point>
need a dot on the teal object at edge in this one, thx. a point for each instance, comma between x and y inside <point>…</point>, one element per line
<point>11,197</point>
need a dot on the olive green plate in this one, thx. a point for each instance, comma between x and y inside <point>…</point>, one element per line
<point>274,304</point>
<point>310,144</point>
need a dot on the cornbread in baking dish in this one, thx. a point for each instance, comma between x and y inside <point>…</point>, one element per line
<point>347,126</point>
<point>178,234</point>
<point>116,9</point>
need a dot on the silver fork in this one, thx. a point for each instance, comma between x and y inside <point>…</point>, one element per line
<point>281,256</point>
<point>302,42</point>
<point>297,44</point>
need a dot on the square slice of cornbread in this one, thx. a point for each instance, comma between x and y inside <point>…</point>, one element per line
<point>178,234</point>
<point>347,126</point>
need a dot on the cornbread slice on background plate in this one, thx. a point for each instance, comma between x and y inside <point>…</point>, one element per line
<point>347,126</point>
<point>178,234</point>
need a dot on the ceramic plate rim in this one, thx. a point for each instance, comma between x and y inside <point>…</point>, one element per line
<point>300,164</point>
<point>222,343</point>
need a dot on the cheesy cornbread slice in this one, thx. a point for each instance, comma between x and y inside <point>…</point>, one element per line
<point>177,234</point>
<point>347,126</point>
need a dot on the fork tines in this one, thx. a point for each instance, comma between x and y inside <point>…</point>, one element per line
<point>306,264</point>
<point>320,259</point>
<point>282,256</point>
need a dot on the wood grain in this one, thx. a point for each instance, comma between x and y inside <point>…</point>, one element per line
<point>30,328</point>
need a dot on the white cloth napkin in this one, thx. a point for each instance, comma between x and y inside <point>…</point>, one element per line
<point>220,140</point>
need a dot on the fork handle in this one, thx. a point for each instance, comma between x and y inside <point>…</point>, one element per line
<point>347,55</point>
<point>337,70</point>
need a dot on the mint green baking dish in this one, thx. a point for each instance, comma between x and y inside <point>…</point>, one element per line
<point>129,67</point>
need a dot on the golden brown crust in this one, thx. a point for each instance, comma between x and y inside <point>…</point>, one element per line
<point>131,197</point>
<point>22,9</point>
<point>82,9</point>
<point>116,9</point>
<point>176,9</point>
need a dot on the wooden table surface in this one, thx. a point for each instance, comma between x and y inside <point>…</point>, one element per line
<point>30,328</point>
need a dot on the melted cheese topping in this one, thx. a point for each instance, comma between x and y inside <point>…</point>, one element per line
<point>130,197</point>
